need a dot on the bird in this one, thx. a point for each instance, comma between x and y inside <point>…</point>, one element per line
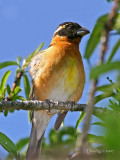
<point>57,74</point>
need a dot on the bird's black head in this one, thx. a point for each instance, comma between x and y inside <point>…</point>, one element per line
<point>71,30</point>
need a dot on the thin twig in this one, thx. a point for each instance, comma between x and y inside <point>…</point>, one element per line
<point>89,109</point>
<point>18,77</point>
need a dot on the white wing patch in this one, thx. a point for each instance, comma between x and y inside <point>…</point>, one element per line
<point>35,64</point>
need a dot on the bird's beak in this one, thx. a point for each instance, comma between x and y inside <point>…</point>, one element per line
<point>82,32</point>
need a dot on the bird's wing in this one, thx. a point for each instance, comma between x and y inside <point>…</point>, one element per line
<point>40,121</point>
<point>40,118</point>
<point>35,64</point>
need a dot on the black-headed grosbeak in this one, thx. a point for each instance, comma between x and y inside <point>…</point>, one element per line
<point>57,74</point>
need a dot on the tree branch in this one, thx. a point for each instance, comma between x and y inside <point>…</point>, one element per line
<point>45,105</point>
<point>89,109</point>
<point>41,105</point>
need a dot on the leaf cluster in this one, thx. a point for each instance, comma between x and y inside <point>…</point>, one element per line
<point>12,94</point>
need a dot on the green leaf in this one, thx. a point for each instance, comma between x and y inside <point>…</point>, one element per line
<point>95,36</point>
<point>109,88</point>
<point>16,97</point>
<point>27,86</point>
<point>34,53</point>
<point>8,89</point>
<point>22,143</point>
<point>17,90</point>
<point>29,116</point>
<point>114,106</point>
<point>114,50</point>
<point>53,137</point>
<point>104,88</point>
<point>7,63</point>
<point>0,98</point>
<point>5,113</point>
<point>11,111</point>
<point>14,94</point>
<point>99,124</point>
<point>109,91</point>
<point>117,22</point>
<point>19,59</point>
<point>4,92</point>
<point>82,114</point>
<point>101,113</point>
<point>106,67</point>
<point>57,137</point>
<point>3,81</point>
<point>95,139</point>
<point>8,145</point>
<point>103,96</point>
<point>110,0</point>
<point>70,132</point>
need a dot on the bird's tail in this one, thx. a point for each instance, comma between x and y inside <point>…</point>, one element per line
<point>39,123</point>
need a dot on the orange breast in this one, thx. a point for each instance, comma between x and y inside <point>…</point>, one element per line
<point>62,75</point>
